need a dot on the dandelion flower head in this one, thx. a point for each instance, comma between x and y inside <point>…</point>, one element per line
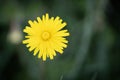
<point>46,36</point>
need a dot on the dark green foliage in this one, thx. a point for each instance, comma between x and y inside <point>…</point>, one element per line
<point>93,51</point>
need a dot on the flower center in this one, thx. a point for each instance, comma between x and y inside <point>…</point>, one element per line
<point>45,35</point>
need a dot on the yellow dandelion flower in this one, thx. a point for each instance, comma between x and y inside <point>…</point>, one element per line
<point>46,36</point>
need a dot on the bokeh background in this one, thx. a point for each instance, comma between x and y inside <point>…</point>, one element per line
<point>93,52</point>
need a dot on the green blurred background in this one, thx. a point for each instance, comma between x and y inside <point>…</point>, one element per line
<point>93,51</point>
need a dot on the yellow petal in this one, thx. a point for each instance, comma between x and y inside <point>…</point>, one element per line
<point>31,23</point>
<point>47,16</point>
<point>39,20</point>
<point>40,54</point>
<point>31,48</point>
<point>36,51</point>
